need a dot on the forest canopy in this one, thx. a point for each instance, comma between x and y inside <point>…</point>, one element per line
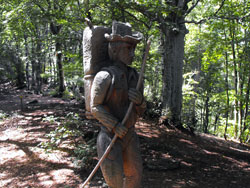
<point>198,70</point>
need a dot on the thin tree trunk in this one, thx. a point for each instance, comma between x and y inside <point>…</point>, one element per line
<point>227,90</point>
<point>38,64</point>
<point>55,30</point>
<point>197,70</point>
<point>236,81</point>
<point>242,71</point>
<point>27,63</point>
<point>215,122</point>
<point>33,67</point>
<point>227,95</point>
<point>246,109</point>
<point>20,77</point>
<point>206,122</point>
<point>60,68</point>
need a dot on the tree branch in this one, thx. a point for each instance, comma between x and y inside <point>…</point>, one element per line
<point>216,18</point>
<point>186,2</point>
<point>191,8</point>
<point>215,15</point>
<point>42,9</point>
<point>195,22</point>
<point>222,4</point>
<point>247,15</point>
<point>49,5</point>
<point>148,26</point>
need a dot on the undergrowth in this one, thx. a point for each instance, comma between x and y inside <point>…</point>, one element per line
<point>70,134</point>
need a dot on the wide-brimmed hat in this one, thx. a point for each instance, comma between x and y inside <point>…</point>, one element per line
<point>123,32</point>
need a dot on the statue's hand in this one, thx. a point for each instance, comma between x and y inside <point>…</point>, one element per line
<point>120,130</point>
<point>135,96</point>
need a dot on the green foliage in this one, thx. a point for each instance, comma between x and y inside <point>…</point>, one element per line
<point>245,136</point>
<point>221,129</point>
<point>85,153</point>
<point>51,119</point>
<point>68,130</point>
<point>3,115</point>
<point>46,75</point>
<point>67,95</point>
<point>214,51</point>
<point>65,130</point>
<point>189,96</point>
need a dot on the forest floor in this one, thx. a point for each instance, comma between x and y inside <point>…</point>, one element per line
<point>171,158</point>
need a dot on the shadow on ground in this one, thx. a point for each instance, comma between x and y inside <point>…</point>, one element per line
<point>170,157</point>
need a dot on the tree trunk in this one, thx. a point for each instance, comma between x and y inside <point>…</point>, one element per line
<point>27,63</point>
<point>38,71</point>
<point>60,68</point>
<point>55,31</point>
<point>20,74</point>
<point>236,81</point>
<point>174,31</point>
<point>33,67</point>
<point>20,77</point>
<point>246,110</point>
<point>206,122</point>
<point>215,121</point>
<point>173,73</point>
<point>242,70</point>
<point>227,99</point>
<point>197,69</point>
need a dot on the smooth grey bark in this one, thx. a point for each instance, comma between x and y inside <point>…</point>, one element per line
<point>173,57</point>
<point>173,74</point>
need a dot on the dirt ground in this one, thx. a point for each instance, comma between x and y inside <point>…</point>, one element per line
<point>171,159</point>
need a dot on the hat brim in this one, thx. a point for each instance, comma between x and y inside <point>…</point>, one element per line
<point>134,39</point>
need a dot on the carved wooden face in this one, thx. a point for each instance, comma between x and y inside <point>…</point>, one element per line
<point>126,53</point>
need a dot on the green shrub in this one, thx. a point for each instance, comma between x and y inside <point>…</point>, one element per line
<point>69,130</point>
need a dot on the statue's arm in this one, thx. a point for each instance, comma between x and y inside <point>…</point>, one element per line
<point>99,90</point>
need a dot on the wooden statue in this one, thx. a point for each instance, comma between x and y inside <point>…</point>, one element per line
<point>112,89</point>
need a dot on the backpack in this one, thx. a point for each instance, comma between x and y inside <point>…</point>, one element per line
<point>95,57</point>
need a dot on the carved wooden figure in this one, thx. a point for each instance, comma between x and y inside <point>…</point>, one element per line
<point>112,88</point>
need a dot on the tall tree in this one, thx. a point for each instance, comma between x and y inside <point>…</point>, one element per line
<point>169,17</point>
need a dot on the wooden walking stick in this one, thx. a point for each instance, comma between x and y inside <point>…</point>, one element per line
<point>124,119</point>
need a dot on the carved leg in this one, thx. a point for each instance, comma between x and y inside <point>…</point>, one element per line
<point>112,168</point>
<point>132,164</point>
<point>112,173</point>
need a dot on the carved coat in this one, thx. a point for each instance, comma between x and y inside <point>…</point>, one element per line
<point>109,96</point>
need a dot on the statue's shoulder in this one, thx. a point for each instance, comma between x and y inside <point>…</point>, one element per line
<point>103,75</point>
<point>117,77</point>
<point>106,75</point>
<point>112,70</point>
